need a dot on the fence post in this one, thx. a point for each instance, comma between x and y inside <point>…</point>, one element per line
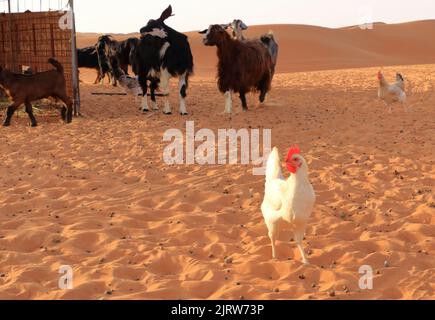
<point>75,75</point>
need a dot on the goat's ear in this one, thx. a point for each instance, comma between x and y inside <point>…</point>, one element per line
<point>166,14</point>
<point>203,31</point>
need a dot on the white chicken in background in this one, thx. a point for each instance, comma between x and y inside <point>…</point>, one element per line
<point>288,201</point>
<point>392,93</point>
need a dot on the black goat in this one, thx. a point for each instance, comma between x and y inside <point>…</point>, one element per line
<point>105,55</point>
<point>163,53</point>
<point>122,51</point>
<point>88,58</point>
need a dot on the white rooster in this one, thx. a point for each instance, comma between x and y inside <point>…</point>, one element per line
<point>288,201</point>
<point>392,93</point>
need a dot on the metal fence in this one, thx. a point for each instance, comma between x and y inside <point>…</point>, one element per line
<point>29,39</point>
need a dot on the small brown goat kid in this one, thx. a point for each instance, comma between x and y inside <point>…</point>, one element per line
<point>244,66</point>
<point>24,89</point>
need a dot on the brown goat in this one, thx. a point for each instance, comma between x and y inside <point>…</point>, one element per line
<point>244,66</point>
<point>24,89</point>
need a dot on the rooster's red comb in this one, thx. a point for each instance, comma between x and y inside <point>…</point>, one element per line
<point>293,150</point>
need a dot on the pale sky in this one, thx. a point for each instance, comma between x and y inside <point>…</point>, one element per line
<point>125,16</point>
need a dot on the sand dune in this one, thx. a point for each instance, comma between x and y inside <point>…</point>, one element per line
<point>95,195</point>
<point>308,48</point>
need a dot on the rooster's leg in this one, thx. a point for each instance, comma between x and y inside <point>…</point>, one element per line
<point>390,108</point>
<point>273,235</point>
<point>299,237</point>
<point>273,240</point>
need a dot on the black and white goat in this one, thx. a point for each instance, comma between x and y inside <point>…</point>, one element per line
<point>163,53</point>
<point>243,66</point>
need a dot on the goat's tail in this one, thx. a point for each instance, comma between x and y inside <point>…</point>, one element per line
<point>272,46</point>
<point>56,64</point>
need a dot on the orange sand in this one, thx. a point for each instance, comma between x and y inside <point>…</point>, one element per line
<point>96,195</point>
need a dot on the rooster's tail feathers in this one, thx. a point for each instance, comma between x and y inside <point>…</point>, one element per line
<point>273,170</point>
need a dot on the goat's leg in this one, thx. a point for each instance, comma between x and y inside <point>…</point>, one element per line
<point>114,81</point>
<point>63,111</point>
<point>125,68</point>
<point>10,112</point>
<point>102,76</point>
<point>183,87</point>
<point>228,102</point>
<point>164,82</point>
<point>243,99</point>
<point>144,107</point>
<point>67,112</point>
<point>29,111</point>
<point>299,237</point>
<point>143,82</point>
<point>263,96</point>
<point>98,79</point>
<point>153,87</point>
<point>264,85</point>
